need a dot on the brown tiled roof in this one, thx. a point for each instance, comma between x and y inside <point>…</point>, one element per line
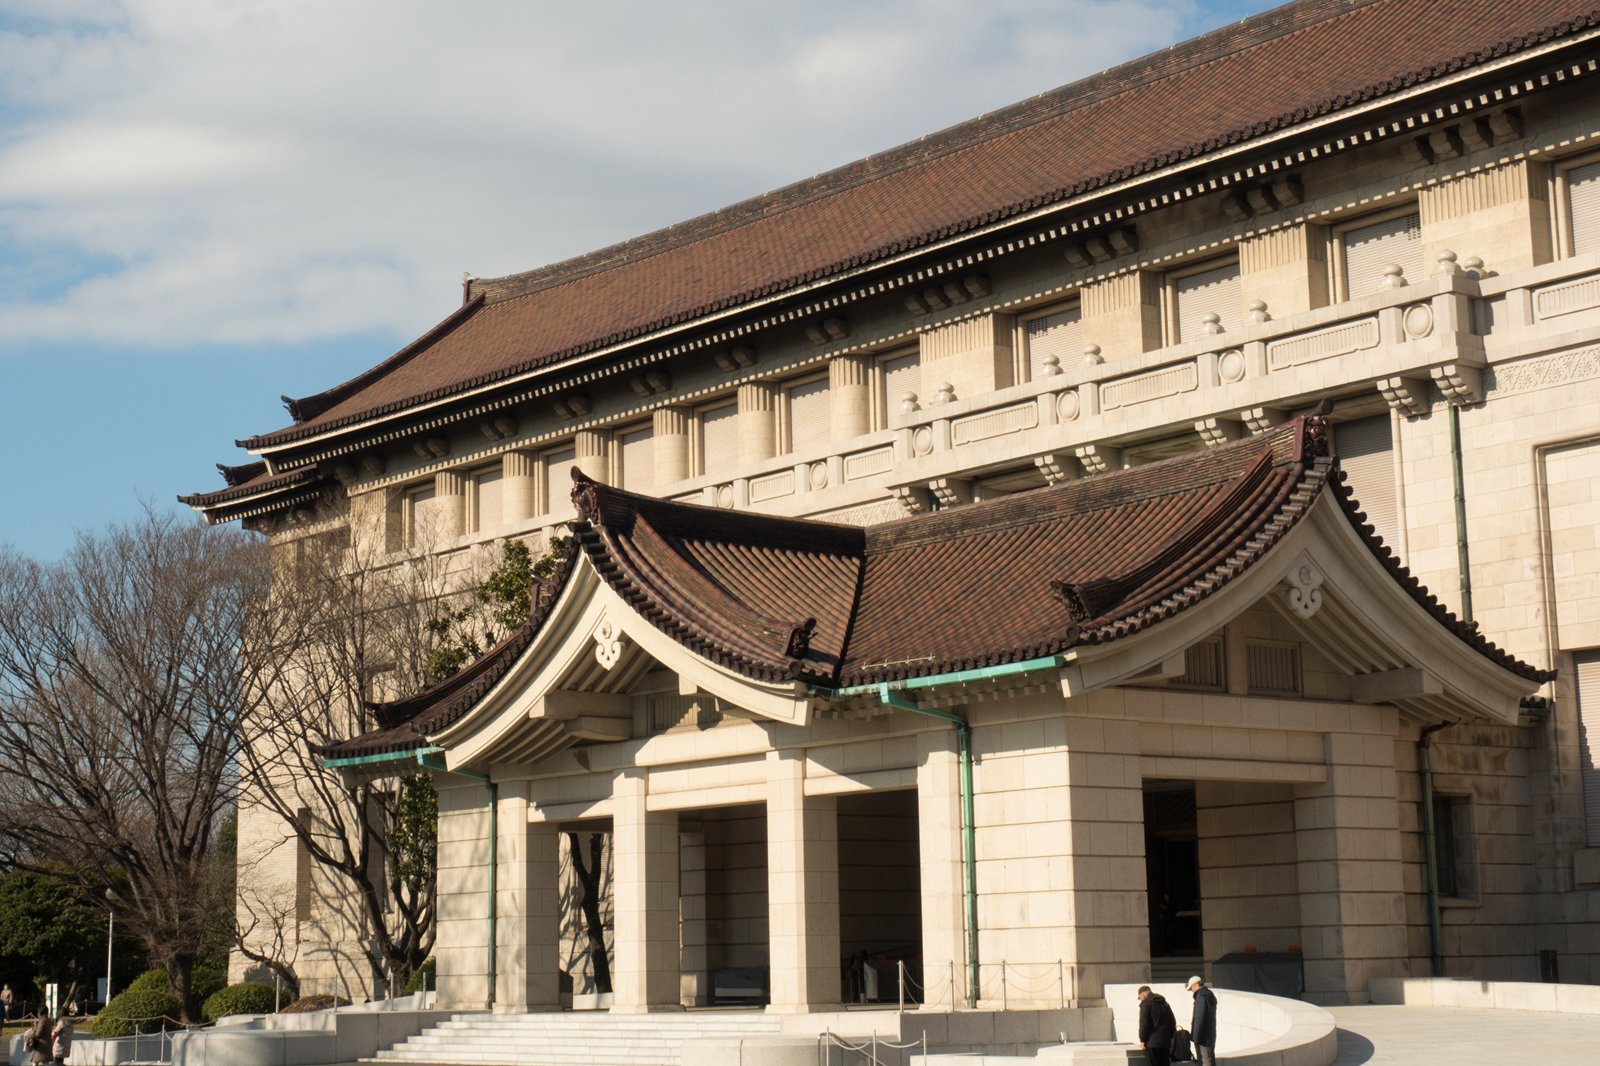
<point>1022,577</point>
<point>1294,63</point>
<point>249,481</point>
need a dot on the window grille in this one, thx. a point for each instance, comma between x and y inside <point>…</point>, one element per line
<point>1274,669</point>
<point>1366,452</point>
<point>1204,666</point>
<point>1214,291</point>
<point>1583,202</point>
<point>1059,334</point>
<point>487,511</point>
<point>1588,691</point>
<point>558,480</point>
<point>637,459</point>
<point>902,374</point>
<point>810,416</point>
<point>719,438</point>
<point>1369,249</point>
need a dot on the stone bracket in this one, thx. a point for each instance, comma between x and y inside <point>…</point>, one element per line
<point>1098,458</point>
<point>1409,396</point>
<point>1216,431</point>
<point>1460,384</point>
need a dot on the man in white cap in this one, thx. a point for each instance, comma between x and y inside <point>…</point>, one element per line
<point>1203,1023</point>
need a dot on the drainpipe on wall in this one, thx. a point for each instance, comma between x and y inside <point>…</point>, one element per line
<point>1461,514</point>
<point>429,761</point>
<point>969,891</point>
<point>1429,849</point>
<point>891,694</point>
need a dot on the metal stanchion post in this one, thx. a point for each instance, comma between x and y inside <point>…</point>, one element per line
<point>1005,994</point>
<point>900,968</point>
<point>1061,981</point>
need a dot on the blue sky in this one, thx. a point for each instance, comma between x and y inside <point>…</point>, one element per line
<point>205,204</point>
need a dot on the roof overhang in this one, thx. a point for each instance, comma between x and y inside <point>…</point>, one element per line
<point>572,682</point>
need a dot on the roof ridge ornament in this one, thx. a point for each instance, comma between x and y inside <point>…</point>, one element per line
<point>585,495</point>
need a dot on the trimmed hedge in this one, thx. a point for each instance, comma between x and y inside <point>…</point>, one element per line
<point>249,997</point>
<point>146,1006</point>
<point>423,978</point>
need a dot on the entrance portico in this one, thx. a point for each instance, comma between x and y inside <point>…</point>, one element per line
<point>1220,620</point>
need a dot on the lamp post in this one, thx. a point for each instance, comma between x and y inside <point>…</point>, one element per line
<point>111,928</point>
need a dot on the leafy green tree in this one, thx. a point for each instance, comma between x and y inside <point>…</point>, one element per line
<point>51,927</point>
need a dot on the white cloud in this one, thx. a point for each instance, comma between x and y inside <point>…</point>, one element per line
<point>286,170</point>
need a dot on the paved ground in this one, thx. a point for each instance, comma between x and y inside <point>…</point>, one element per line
<point>1460,1037</point>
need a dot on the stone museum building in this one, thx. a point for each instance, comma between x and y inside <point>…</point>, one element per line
<point>1147,529</point>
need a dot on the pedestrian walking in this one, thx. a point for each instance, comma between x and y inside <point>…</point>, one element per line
<point>1203,1023</point>
<point>5,1002</point>
<point>61,1040</point>
<point>37,1044</point>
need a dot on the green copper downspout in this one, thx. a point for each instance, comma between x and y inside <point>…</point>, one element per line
<point>969,890</point>
<point>1462,562</point>
<point>1429,849</point>
<point>427,759</point>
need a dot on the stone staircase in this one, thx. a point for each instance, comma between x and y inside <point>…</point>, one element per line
<point>553,1039</point>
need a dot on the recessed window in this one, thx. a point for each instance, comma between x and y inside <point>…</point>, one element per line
<point>1193,296</point>
<point>1364,249</point>
<point>485,513</point>
<point>1578,194</point>
<point>1365,448</point>
<point>558,464</point>
<point>1587,685</point>
<point>1055,333</point>
<point>1274,668</point>
<point>895,376</point>
<point>716,436</point>
<point>636,455</point>
<point>419,508</point>
<point>1453,847</point>
<point>807,415</point>
<point>1204,667</point>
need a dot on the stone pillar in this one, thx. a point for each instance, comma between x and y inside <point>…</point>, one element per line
<point>944,923</point>
<point>447,516</point>
<point>1122,314</point>
<point>670,444</point>
<point>461,944</point>
<point>647,968</point>
<point>758,422</point>
<point>848,391</point>
<point>529,909</point>
<point>592,449</point>
<point>695,985</point>
<point>803,889</point>
<point>1500,215</point>
<point>519,486</point>
<point>1352,911</point>
<point>1105,845</point>
<point>973,356</point>
<point>1287,269</point>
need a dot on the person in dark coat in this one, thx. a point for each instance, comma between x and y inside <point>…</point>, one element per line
<point>1203,1024</point>
<point>1157,1027</point>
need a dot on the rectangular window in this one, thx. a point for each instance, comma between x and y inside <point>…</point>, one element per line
<point>719,439</point>
<point>1204,666</point>
<point>636,458</point>
<point>1453,847</point>
<point>898,375</point>
<point>809,415</point>
<point>1274,669</point>
<point>1194,296</point>
<point>1583,208</point>
<point>486,514</point>
<point>1056,334</point>
<point>1364,249</point>
<point>1365,449</point>
<point>420,506</point>
<point>558,465</point>
<point>1587,685</point>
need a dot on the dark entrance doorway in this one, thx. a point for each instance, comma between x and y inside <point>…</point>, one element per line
<point>1172,876</point>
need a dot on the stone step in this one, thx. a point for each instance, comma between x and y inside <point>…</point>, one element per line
<point>578,1039</point>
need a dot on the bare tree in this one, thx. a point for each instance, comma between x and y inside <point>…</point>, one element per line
<point>122,691</point>
<point>367,626</point>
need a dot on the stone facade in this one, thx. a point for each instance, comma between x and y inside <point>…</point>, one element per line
<point>1480,360</point>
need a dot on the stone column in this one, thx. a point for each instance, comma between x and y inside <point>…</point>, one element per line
<point>647,969</point>
<point>529,909</point>
<point>848,392</point>
<point>695,986</point>
<point>758,422</point>
<point>593,451</point>
<point>447,517</point>
<point>803,889</point>
<point>519,486</point>
<point>671,444</point>
<point>944,923</point>
<point>461,944</point>
<point>1352,911</point>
